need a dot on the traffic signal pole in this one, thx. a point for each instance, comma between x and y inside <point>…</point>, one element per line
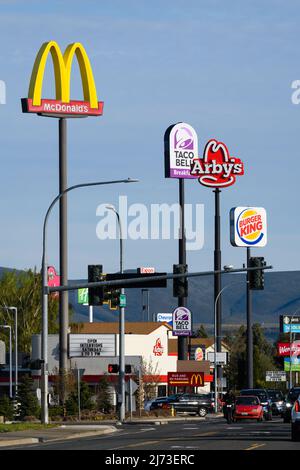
<point>182,340</point>
<point>249,327</point>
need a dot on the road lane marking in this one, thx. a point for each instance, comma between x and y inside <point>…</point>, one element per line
<point>138,444</point>
<point>255,446</point>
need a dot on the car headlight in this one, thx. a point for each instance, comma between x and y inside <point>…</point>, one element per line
<point>280,402</point>
<point>288,405</point>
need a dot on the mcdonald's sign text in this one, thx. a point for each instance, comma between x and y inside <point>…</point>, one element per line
<point>62,63</point>
<point>187,379</point>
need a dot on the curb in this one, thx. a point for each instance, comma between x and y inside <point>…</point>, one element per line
<point>19,441</point>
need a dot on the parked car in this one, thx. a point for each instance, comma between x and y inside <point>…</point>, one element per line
<point>248,407</point>
<point>295,418</point>
<point>264,399</point>
<point>194,403</point>
<point>164,402</point>
<point>289,402</point>
<point>277,399</point>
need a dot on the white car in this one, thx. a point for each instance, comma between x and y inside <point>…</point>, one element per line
<point>295,418</point>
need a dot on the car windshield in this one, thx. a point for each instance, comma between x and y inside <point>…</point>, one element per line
<point>258,393</point>
<point>275,395</point>
<point>247,401</point>
<point>293,394</point>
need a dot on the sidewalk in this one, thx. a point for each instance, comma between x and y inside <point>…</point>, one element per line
<point>62,432</point>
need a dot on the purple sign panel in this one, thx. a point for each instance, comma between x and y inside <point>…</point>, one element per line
<point>182,322</point>
<point>181,147</point>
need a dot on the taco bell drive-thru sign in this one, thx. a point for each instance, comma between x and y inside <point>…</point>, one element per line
<point>248,226</point>
<point>182,322</point>
<point>181,147</point>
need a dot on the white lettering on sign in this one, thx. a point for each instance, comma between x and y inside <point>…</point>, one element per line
<point>147,270</point>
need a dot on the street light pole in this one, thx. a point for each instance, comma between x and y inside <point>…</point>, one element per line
<point>10,359</point>
<point>44,371</point>
<point>121,328</point>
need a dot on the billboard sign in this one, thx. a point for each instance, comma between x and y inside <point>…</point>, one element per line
<point>221,357</point>
<point>295,364</point>
<point>217,168</point>
<point>92,345</point>
<point>275,376</point>
<point>62,64</point>
<point>165,317</point>
<point>284,349</point>
<point>187,379</point>
<point>290,324</point>
<point>83,296</point>
<point>182,322</point>
<point>248,226</point>
<point>181,147</point>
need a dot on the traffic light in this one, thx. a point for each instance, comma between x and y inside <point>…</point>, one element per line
<point>256,277</point>
<point>180,284</point>
<point>114,298</point>
<point>113,368</point>
<point>95,274</point>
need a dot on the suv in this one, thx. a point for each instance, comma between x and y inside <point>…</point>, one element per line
<point>164,402</point>
<point>290,400</point>
<point>277,400</point>
<point>194,403</point>
<point>295,418</point>
<point>264,399</point>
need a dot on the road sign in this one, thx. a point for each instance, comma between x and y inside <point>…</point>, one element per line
<point>131,386</point>
<point>275,376</point>
<point>221,357</point>
<point>122,300</point>
<point>182,322</point>
<point>188,379</point>
<point>83,296</point>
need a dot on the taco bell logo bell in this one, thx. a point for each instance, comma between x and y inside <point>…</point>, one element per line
<point>248,226</point>
<point>181,147</point>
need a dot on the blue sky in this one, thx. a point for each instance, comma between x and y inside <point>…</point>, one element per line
<point>224,67</point>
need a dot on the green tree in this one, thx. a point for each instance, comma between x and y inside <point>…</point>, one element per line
<point>27,398</point>
<point>6,408</point>
<point>23,290</point>
<point>201,333</point>
<point>104,403</point>
<point>85,400</point>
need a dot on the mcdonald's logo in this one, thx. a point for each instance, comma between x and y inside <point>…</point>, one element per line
<point>62,64</point>
<point>197,380</point>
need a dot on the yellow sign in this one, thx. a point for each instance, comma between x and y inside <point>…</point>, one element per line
<point>197,380</point>
<point>62,64</point>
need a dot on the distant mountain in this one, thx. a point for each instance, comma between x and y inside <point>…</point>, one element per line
<point>280,296</point>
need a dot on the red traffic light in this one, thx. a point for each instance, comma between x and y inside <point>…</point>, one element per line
<point>113,368</point>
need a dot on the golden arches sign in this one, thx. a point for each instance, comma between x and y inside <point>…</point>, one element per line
<point>197,380</point>
<point>62,64</point>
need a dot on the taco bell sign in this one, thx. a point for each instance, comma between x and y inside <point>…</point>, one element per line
<point>181,147</point>
<point>182,322</point>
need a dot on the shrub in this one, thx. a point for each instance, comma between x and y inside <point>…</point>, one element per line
<point>6,408</point>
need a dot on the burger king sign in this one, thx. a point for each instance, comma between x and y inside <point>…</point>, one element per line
<point>248,226</point>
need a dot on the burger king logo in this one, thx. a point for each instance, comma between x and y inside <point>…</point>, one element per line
<point>248,226</point>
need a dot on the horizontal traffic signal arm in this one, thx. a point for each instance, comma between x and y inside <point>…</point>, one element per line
<point>148,277</point>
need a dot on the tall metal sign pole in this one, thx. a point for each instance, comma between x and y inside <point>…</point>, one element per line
<point>181,147</point>
<point>248,228</point>
<point>249,328</point>
<point>61,107</point>
<point>63,251</point>
<point>182,340</point>
<point>217,169</point>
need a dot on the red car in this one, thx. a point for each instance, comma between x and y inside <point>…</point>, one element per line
<point>248,407</point>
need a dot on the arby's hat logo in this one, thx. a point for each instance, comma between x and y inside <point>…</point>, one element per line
<point>217,168</point>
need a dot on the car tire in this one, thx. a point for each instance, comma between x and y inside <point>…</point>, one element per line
<point>202,412</point>
<point>295,434</point>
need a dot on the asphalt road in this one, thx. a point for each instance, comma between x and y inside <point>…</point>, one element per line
<point>204,435</point>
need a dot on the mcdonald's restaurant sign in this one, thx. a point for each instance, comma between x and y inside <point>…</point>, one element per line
<point>187,379</point>
<point>62,63</point>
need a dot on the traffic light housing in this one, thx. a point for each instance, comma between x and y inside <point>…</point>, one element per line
<point>95,274</point>
<point>114,298</point>
<point>180,284</point>
<point>256,277</point>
